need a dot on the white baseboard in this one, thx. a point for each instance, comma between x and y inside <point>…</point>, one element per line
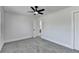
<point>1,45</point>
<point>16,39</point>
<point>65,45</point>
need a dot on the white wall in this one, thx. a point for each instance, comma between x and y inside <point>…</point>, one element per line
<point>18,26</point>
<point>58,27</point>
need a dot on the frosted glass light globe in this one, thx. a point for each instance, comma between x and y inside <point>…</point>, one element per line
<point>36,12</point>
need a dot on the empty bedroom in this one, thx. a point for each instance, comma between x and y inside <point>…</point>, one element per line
<point>39,29</point>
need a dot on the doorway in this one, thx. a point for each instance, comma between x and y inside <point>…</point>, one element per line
<point>37,28</point>
<point>76,30</point>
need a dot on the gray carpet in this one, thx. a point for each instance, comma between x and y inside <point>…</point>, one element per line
<point>34,45</point>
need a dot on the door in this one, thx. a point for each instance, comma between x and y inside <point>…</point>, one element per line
<point>76,30</point>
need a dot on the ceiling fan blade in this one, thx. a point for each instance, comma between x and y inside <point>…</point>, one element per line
<point>41,10</point>
<point>41,13</point>
<point>33,9</point>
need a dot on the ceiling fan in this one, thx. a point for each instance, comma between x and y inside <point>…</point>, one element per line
<point>36,10</point>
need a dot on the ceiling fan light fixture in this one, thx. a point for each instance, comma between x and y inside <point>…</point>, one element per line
<point>36,13</point>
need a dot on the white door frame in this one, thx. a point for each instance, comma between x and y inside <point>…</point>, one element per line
<point>73,27</point>
<point>41,27</point>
